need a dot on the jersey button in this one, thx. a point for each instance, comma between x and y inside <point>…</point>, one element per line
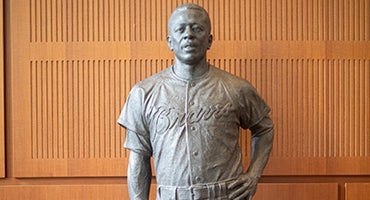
<point>198,179</point>
<point>195,153</point>
<point>192,84</point>
<point>193,128</point>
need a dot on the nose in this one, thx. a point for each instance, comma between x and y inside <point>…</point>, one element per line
<point>188,33</point>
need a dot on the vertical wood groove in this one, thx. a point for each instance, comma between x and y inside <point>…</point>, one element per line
<point>78,21</point>
<point>320,102</point>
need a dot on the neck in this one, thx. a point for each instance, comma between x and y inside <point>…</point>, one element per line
<point>190,71</point>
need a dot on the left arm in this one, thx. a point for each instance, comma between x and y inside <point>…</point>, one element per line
<point>262,139</point>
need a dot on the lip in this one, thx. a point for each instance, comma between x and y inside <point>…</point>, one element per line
<point>189,47</point>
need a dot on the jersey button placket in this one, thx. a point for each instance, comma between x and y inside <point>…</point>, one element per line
<point>192,135</point>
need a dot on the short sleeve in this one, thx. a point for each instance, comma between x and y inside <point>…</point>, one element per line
<point>138,143</point>
<point>132,118</point>
<point>254,108</point>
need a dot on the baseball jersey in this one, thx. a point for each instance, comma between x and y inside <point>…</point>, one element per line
<point>191,127</point>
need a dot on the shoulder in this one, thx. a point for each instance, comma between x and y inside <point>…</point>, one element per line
<point>232,80</point>
<point>153,81</point>
<point>241,89</point>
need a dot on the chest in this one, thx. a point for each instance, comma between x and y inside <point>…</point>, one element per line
<point>174,106</point>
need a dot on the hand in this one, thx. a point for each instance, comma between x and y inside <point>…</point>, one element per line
<point>243,188</point>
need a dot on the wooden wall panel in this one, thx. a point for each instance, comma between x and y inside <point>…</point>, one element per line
<point>357,191</point>
<point>317,106</point>
<point>142,20</point>
<point>303,191</point>
<point>308,191</point>
<point>61,192</point>
<point>76,61</point>
<point>2,106</point>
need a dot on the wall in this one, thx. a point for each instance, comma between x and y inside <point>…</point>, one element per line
<point>69,66</point>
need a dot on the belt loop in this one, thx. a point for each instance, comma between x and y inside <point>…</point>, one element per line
<point>222,191</point>
<point>192,195</point>
<point>211,191</point>
<point>218,190</point>
<point>167,193</point>
<point>174,194</point>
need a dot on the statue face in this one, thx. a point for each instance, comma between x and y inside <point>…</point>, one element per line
<point>189,35</point>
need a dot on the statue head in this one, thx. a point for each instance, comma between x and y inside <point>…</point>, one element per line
<point>189,34</point>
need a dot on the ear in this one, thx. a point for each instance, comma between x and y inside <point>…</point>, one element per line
<point>210,40</point>
<point>169,43</point>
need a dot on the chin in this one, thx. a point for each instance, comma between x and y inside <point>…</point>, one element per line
<point>190,59</point>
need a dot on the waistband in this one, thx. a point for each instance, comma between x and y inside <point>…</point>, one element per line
<point>217,191</point>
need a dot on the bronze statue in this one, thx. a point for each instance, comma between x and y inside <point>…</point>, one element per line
<point>187,117</point>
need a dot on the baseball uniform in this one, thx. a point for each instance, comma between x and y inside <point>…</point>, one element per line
<point>191,127</point>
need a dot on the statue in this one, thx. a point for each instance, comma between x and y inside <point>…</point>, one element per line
<point>187,117</point>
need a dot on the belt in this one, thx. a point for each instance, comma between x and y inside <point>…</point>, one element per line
<point>215,191</point>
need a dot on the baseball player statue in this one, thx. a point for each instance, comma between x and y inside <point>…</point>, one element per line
<point>187,117</point>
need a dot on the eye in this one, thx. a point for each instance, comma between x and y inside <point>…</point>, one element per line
<point>197,28</point>
<point>180,29</point>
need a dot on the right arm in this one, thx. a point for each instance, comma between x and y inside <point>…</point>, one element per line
<point>139,176</point>
<point>138,142</point>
